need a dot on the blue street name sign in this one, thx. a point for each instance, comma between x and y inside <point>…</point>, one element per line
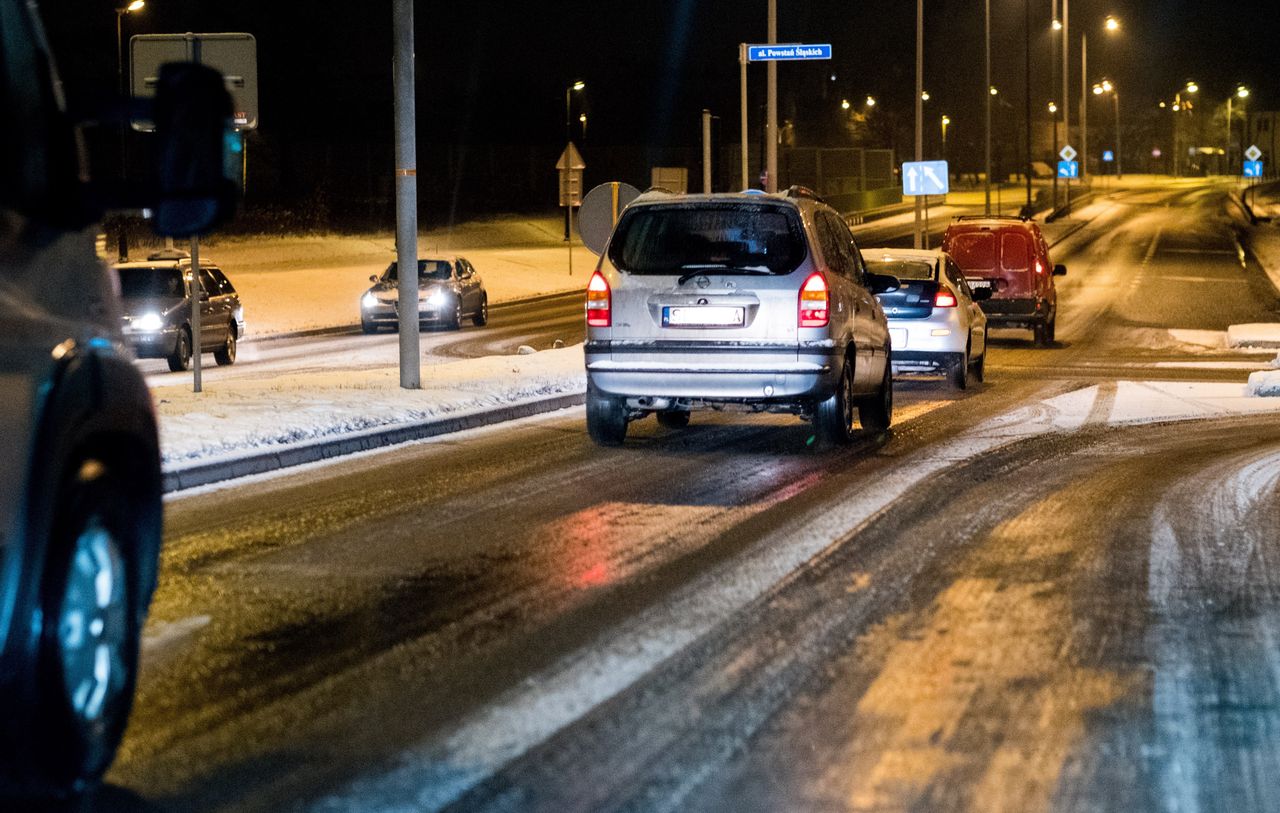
<point>1108,156</point>
<point>925,178</point>
<point>1253,169</point>
<point>782,53</point>
<point>1068,169</point>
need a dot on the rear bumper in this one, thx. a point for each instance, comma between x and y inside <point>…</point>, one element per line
<point>742,374</point>
<point>919,361</point>
<point>1017,312</point>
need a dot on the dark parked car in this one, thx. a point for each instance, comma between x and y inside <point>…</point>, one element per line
<point>80,482</point>
<point>1009,256</point>
<point>449,289</point>
<point>156,298</point>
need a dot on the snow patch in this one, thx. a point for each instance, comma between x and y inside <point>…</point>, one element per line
<point>1212,339</point>
<point>1264,384</point>
<point>1258,334</point>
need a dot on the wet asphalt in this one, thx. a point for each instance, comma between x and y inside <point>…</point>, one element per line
<point>514,619</point>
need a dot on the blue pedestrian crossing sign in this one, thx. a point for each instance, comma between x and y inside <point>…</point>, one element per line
<point>1068,169</point>
<point>1253,169</point>
<point>925,178</point>
<point>1108,156</point>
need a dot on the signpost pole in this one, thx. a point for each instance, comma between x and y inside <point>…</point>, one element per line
<point>918,238</point>
<point>406,195</point>
<point>706,151</point>
<point>771,134</point>
<point>742,69</point>
<point>197,299</point>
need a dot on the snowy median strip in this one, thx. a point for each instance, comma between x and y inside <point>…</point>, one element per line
<point>1261,334</point>
<point>240,427</point>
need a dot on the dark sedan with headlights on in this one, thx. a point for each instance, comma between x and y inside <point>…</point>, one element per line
<point>449,290</point>
<point>156,295</point>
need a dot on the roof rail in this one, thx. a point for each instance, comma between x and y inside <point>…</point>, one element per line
<point>797,191</point>
<point>1018,218</point>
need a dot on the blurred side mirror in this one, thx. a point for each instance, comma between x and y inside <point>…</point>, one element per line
<point>882,283</point>
<point>982,294</point>
<point>1059,270</point>
<point>373,277</point>
<point>192,116</point>
<point>204,296</point>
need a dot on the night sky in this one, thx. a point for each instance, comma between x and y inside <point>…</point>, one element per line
<point>494,73</point>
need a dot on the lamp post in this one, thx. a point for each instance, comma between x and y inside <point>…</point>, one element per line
<point>1242,93</point>
<point>1106,86</point>
<point>131,8</point>
<point>576,87</point>
<point>992,91</point>
<point>1053,118</point>
<point>1110,25</point>
<point>946,122</point>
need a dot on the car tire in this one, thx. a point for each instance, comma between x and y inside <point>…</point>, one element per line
<point>958,374</point>
<point>180,359</point>
<point>88,655</point>
<point>833,418</point>
<point>606,418</point>
<point>482,316</point>
<point>368,328</point>
<point>227,355</point>
<point>674,418</point>
<point>1051,330</point>
<point>876,411</point>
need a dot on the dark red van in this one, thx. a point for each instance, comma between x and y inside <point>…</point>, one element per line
<point>1009,256</point>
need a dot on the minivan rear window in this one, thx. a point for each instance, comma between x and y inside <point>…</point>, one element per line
<point>902,269</point>
<point>724,238</point>
<point>974,251</point>
<point>1015,252</point>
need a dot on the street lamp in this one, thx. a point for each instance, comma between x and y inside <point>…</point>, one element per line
<point>576,87</point>
<point>132,8</point>
<point>844,104</point>
<point>1241,93</point>
<point>871,101</point>
<point>1110,25</point>
<point>1105,86</point>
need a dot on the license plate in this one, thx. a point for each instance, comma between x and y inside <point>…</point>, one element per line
<point>703,316</point>
<point>898,337</point>
<point>977,284</point>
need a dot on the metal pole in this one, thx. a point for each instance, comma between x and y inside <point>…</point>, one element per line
<point>197,300</point>
<point>1115,93</point>
<point>706,151</point>
<point>919,114</point>
<point>1026,30</point>
<point>406,194</point>
<point>122,239</point>
<point>771,165</point>
<point>568,139</point>
<point>1227,151</point>
<point>986,92</point>
<point>1053,81</point>
<point>1066,72</point>
<point>742,101</point>
<point>1084,104</point>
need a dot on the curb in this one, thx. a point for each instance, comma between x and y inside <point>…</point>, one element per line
<point>354,327</point>
<point>201,474</point>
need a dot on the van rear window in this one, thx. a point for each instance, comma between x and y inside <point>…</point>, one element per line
<point>1015,252</point>
<point>723,238</point>
<point>974,251</point>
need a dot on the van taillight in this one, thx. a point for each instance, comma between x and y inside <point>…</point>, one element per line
<point>944,299</point>
<point>815,302</point>
<point>1039,267</point>
<point>599,302</point>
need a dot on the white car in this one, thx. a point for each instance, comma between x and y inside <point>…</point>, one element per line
<point>934,319</point>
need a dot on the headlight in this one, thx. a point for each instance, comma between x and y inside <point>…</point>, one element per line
<point>369,300</point>
<point>438,296</point>
<point>149,322</point>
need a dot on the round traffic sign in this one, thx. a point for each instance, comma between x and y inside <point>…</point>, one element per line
<point>600,211</point>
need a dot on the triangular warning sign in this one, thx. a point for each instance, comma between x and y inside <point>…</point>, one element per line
<point>570,159</point>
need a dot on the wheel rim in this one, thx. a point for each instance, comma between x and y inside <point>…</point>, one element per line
<point>847,407</point>
<point>231,346</point>
<point>92,623</point>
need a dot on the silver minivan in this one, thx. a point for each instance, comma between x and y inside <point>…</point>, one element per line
<point>739,301</point>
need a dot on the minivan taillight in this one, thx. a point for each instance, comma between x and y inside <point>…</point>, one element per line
<point>599,303</point>
<point>815,302</point>
<point>944,299</point>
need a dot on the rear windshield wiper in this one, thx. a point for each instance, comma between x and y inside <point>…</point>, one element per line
<point>701,268</point>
